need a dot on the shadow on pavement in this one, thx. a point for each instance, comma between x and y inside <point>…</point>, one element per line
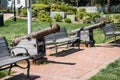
<point>66,63</point>
<point>66,52</point>
<point>22,76</point>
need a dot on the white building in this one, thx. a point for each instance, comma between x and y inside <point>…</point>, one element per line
<point>18,3</point>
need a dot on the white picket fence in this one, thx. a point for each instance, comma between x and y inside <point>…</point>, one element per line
<point>102,9</point>
<point>89,8</point>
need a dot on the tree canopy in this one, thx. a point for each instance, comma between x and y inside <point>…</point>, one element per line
<point>81,2</point>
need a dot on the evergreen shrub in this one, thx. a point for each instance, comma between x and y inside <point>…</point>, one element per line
<point>23,12</point>
<point>36,8</point>
<point>58,18</point>
<point>67,20</point>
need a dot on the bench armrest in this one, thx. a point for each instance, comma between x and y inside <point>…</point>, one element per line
<point>17,51</point>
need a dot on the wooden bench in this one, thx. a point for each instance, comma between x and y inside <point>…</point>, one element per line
<point>110,31</point>
<point>8,59</point>
<point>61,37</point>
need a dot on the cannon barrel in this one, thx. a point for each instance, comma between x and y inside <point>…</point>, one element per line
<point>95,26</point>
<point>39,34</point>
<point>90,28</point>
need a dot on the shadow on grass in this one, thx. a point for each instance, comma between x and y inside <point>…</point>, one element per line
<point>111,44</point>
<point>117,41</point>
<point>65,52</point>
<point>66,63</point>
<point>22,76</point>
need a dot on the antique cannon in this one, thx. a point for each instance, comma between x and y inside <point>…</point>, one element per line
<point>34,43</point>
<point>39,34</point>
<point>86,33</point>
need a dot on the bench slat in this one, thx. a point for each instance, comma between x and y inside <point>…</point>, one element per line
<point>66,39</point>
<point>109,28</point>
<point>49,37</point>
<point>61,34</point>
<point>4,50</point>
<point>9,60</point>
<point>3,42</point>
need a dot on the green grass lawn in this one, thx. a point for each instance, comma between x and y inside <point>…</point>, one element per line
<point>3,73</point>
<point>112,72</point>
<point>13,29</point>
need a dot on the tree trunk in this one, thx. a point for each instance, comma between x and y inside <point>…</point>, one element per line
<point>92,2</point>
<point>108,4</point>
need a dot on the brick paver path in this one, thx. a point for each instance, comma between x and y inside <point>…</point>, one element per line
<point>80,65</point>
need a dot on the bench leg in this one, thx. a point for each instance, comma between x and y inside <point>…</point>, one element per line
<point>11,65</point>
<point>16,65</point>
<point>28,68</point>
<point>115,39</point>
<point>79,44</point>
<point>56,47</point>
